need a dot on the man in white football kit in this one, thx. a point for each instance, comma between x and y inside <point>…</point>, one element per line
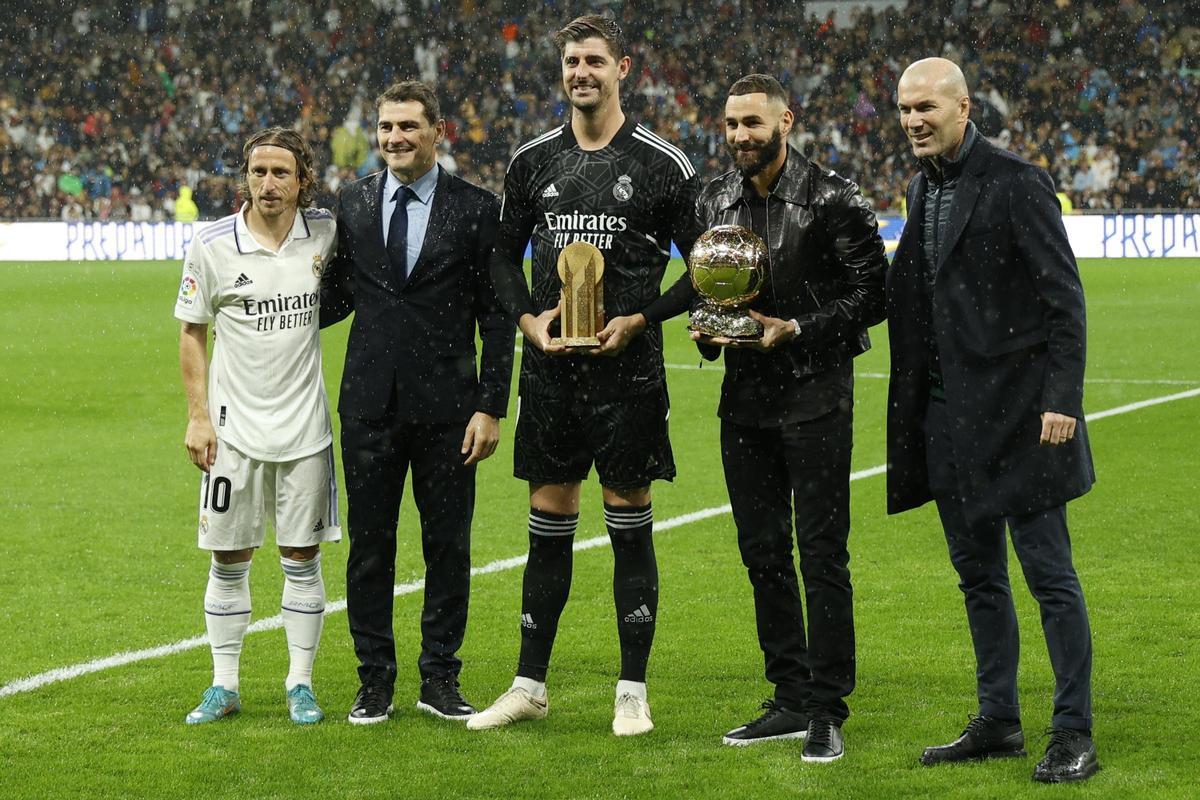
<point>258,418</point>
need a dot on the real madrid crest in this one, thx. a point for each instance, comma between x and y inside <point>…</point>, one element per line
<point>623,191</point>
<point>317,265</point>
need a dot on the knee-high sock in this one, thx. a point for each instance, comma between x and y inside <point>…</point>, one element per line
<point>635,585</point>
<point>226,615</point>
<point>303,616</point>
<point>546,587</point>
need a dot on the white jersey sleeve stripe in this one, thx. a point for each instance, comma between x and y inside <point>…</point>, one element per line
<point>218,228</point>
<point>545,137</point>
<point>643,135</point>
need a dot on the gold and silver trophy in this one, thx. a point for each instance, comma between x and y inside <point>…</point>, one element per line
<point>581,268</point>
<point>727,267</point>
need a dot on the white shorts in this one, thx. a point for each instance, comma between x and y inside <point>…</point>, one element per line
<point>239,494</point>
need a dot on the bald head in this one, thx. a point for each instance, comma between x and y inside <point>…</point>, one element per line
<point>934,106</point>
<point>940,74</point>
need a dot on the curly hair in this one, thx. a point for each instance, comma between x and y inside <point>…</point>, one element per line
<point>294,143</point>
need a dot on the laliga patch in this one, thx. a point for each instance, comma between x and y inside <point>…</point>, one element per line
<point>187,290</point>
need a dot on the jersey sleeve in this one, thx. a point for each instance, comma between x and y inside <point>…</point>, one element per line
<point>516,225</point>
<point>686,227</point>
<point>329,237</point>
<point>197,286</point>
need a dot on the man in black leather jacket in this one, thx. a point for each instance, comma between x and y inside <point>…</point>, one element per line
<point>786,409</point>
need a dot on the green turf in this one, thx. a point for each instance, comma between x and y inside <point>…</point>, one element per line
<point>98,501</point>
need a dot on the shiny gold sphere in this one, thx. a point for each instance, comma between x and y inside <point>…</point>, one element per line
<point>727,265</point>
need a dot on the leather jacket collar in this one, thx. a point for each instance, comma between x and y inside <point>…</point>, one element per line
<point>792,185</point>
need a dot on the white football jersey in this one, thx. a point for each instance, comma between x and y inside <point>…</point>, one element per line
<point>266,392</point>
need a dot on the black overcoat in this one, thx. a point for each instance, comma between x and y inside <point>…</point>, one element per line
<point>1007,312</point>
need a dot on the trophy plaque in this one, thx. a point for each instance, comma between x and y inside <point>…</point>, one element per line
<point>581,268</point>
<point>727,267</point>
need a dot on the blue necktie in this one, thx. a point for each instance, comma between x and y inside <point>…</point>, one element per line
<point>397,243</point>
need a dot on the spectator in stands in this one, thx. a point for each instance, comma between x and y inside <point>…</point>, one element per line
<point>185,208</point>
<point>168,87</point>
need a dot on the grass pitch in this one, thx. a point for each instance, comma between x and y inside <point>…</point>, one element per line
<point>99,558</point>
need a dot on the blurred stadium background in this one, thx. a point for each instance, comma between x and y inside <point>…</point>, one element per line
<point>113,109</point>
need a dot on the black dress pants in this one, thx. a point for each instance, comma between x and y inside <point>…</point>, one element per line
<point>768,471</point>
<point>979,553</point>
<point>377,456</point>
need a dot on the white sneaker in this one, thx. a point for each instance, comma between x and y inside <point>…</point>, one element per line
<point>631,716</point>
<point>514,705</point>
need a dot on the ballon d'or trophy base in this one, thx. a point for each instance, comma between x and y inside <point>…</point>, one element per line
<point>581,268</point>
<point>729,323</point>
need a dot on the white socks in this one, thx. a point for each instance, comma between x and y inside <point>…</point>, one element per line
<point>303,616</point>
<point>634,688</point>
<point>226,615</point>
<point>535,688</point>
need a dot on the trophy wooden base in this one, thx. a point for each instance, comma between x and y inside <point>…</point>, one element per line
<point>575,342</point>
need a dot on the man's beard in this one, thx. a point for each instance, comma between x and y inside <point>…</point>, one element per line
<point>763,154</point>
<point>593,104</point>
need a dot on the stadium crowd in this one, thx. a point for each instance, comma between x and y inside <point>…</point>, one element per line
<point>136,109</point>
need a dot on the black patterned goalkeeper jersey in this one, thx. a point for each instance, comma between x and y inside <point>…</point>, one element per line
<point>630,199</point>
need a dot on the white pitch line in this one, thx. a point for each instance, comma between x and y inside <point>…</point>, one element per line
<point>713,366</point>
<point>34,682</point>
<point>1153,401</point>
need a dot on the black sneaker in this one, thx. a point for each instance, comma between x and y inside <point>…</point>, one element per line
<point>373,704</point>
<point>776,722</point>
<point>440,697</point>
<point>824,742</point>
<point>984,737</point>
<point>1070,756</point>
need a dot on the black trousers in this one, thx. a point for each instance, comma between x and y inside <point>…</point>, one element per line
<point>377,457</point>
<point>767,470</point>
<point>979,553</point>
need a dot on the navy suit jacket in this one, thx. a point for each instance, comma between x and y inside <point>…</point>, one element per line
<point>411,353</point>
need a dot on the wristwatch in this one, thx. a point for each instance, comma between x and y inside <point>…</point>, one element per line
<point>795,327</point>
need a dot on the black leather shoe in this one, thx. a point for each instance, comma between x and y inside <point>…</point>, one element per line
<point>440,697</point>
<point>984,737</point>
<point>776,722</point>
<point>1070,756</point>
<point>823,742</point>
<point>373,704</point>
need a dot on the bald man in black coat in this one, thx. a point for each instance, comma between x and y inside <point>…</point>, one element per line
<point>985,411</point>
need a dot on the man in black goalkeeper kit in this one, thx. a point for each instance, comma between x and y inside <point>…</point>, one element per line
<point>604,180</point>
<point>786,409</point>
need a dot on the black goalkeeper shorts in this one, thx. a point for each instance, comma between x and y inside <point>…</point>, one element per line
<point>559,438</point>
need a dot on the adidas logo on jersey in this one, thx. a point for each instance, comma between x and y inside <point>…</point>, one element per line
<point>550,191</point>
<point>241,281</point>
<point>320,526</point>
<point>527,622</point>
<point>641,614</point>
